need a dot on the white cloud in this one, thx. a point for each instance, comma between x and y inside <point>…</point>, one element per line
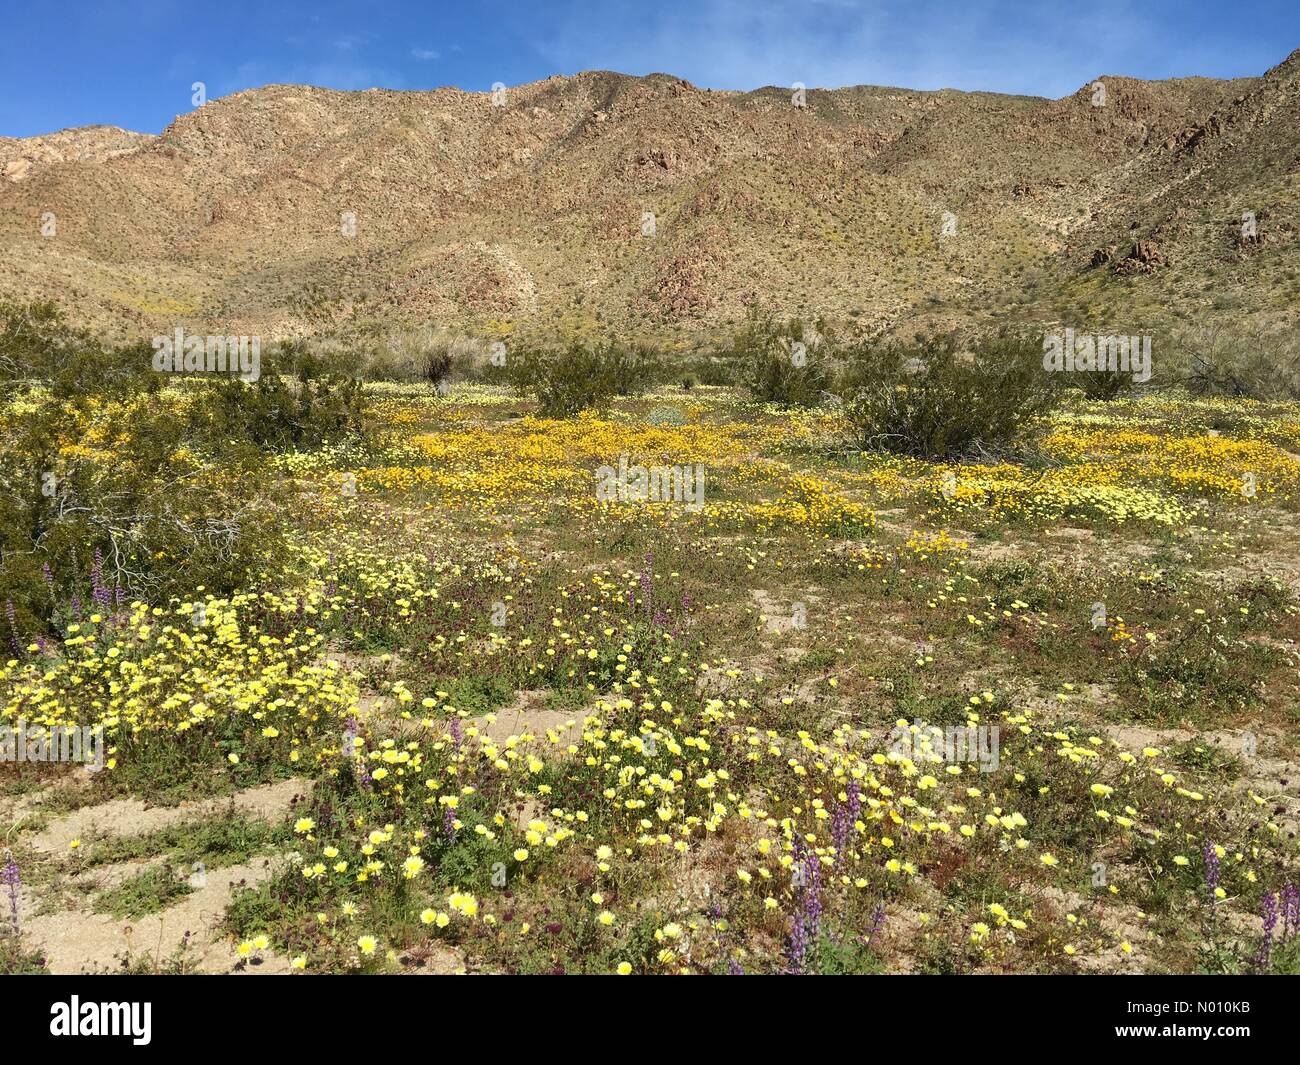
<point>921,44</point>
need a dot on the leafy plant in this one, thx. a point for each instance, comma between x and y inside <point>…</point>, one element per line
<point>781,363</point>
<point>936,399</point>
<point>565,381</point>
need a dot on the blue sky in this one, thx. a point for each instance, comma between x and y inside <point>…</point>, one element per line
<point>131,64</point>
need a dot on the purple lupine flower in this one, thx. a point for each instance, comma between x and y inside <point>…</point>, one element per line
<point>76,606</point>
<point>454,729</point>
<point>1212,871</point>
<point>1268,917</point>
<point>840,826</point>
<point>48,577</point>
<point>449,824</point>
<point>11,877</point>
<point>1290,911</point>
<point>877,923</point>
<point>798,942</point>
<point>734,969</point>
<point>843,819</point>
<point>806,924</point>
<point>813,897</point>
<point>100,592</point>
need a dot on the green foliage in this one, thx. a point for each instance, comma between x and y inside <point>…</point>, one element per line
<point>145,893</point>
<point>636,367</point>
<point>843,956</point>
<point>277,413</point>
<point>16,960</point>
<point>1284,959</point>
<point>565,381</point>
<point>932,399</point>
<point>1234,359</point>
<point>781,363</point>
<point>111,481</point>
<point>1102,384</point>
<point>39,347</point>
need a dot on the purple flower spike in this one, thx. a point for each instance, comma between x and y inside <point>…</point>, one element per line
<point>1268,916</point>
<point>1212,870</point>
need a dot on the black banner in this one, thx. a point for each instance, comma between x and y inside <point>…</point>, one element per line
<point>144,1014</point>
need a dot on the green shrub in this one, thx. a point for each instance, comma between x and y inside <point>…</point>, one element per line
<point>717,371</point>
<point>39,347</point>
<point>1232,359</point>
<point>932,399</point>
<point>565,381</point>
<point>277,412</point>
<point>637,368</point>
<point>119,483</point>
<point>125,499</point>
<point>843,956</point>
<point>781,363</point>
<point>1102,384</point>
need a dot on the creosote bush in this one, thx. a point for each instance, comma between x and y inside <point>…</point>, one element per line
<point>1102,384</point>
<point>294,403</point>
<point>781,362</point>
<point>578,377</point>
<point>935,399</point>
<point>1225,359</point>
<point>118,484</point>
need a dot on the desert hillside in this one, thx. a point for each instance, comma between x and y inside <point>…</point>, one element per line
<point>874,206</point>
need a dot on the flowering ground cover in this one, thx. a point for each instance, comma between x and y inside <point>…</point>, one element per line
<point>843,712</point>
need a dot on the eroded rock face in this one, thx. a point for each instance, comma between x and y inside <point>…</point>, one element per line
<point>87,144</point>
<point>1145,258</point>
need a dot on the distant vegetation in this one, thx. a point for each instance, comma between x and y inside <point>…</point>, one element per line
<point>109,488</point>
<point>112,486</point>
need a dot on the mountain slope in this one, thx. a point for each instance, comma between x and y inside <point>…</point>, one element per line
<point>290,209</point>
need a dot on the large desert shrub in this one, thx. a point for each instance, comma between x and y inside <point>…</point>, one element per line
<point>938,398</point>
<point>637,368</point>
<point>117,482</point>
<point>38,346</point>
<point>295,402</point>
<point>1237,359</point>
<point>780,362</point>
<point>1101,384</point>
<point>574,378</point>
